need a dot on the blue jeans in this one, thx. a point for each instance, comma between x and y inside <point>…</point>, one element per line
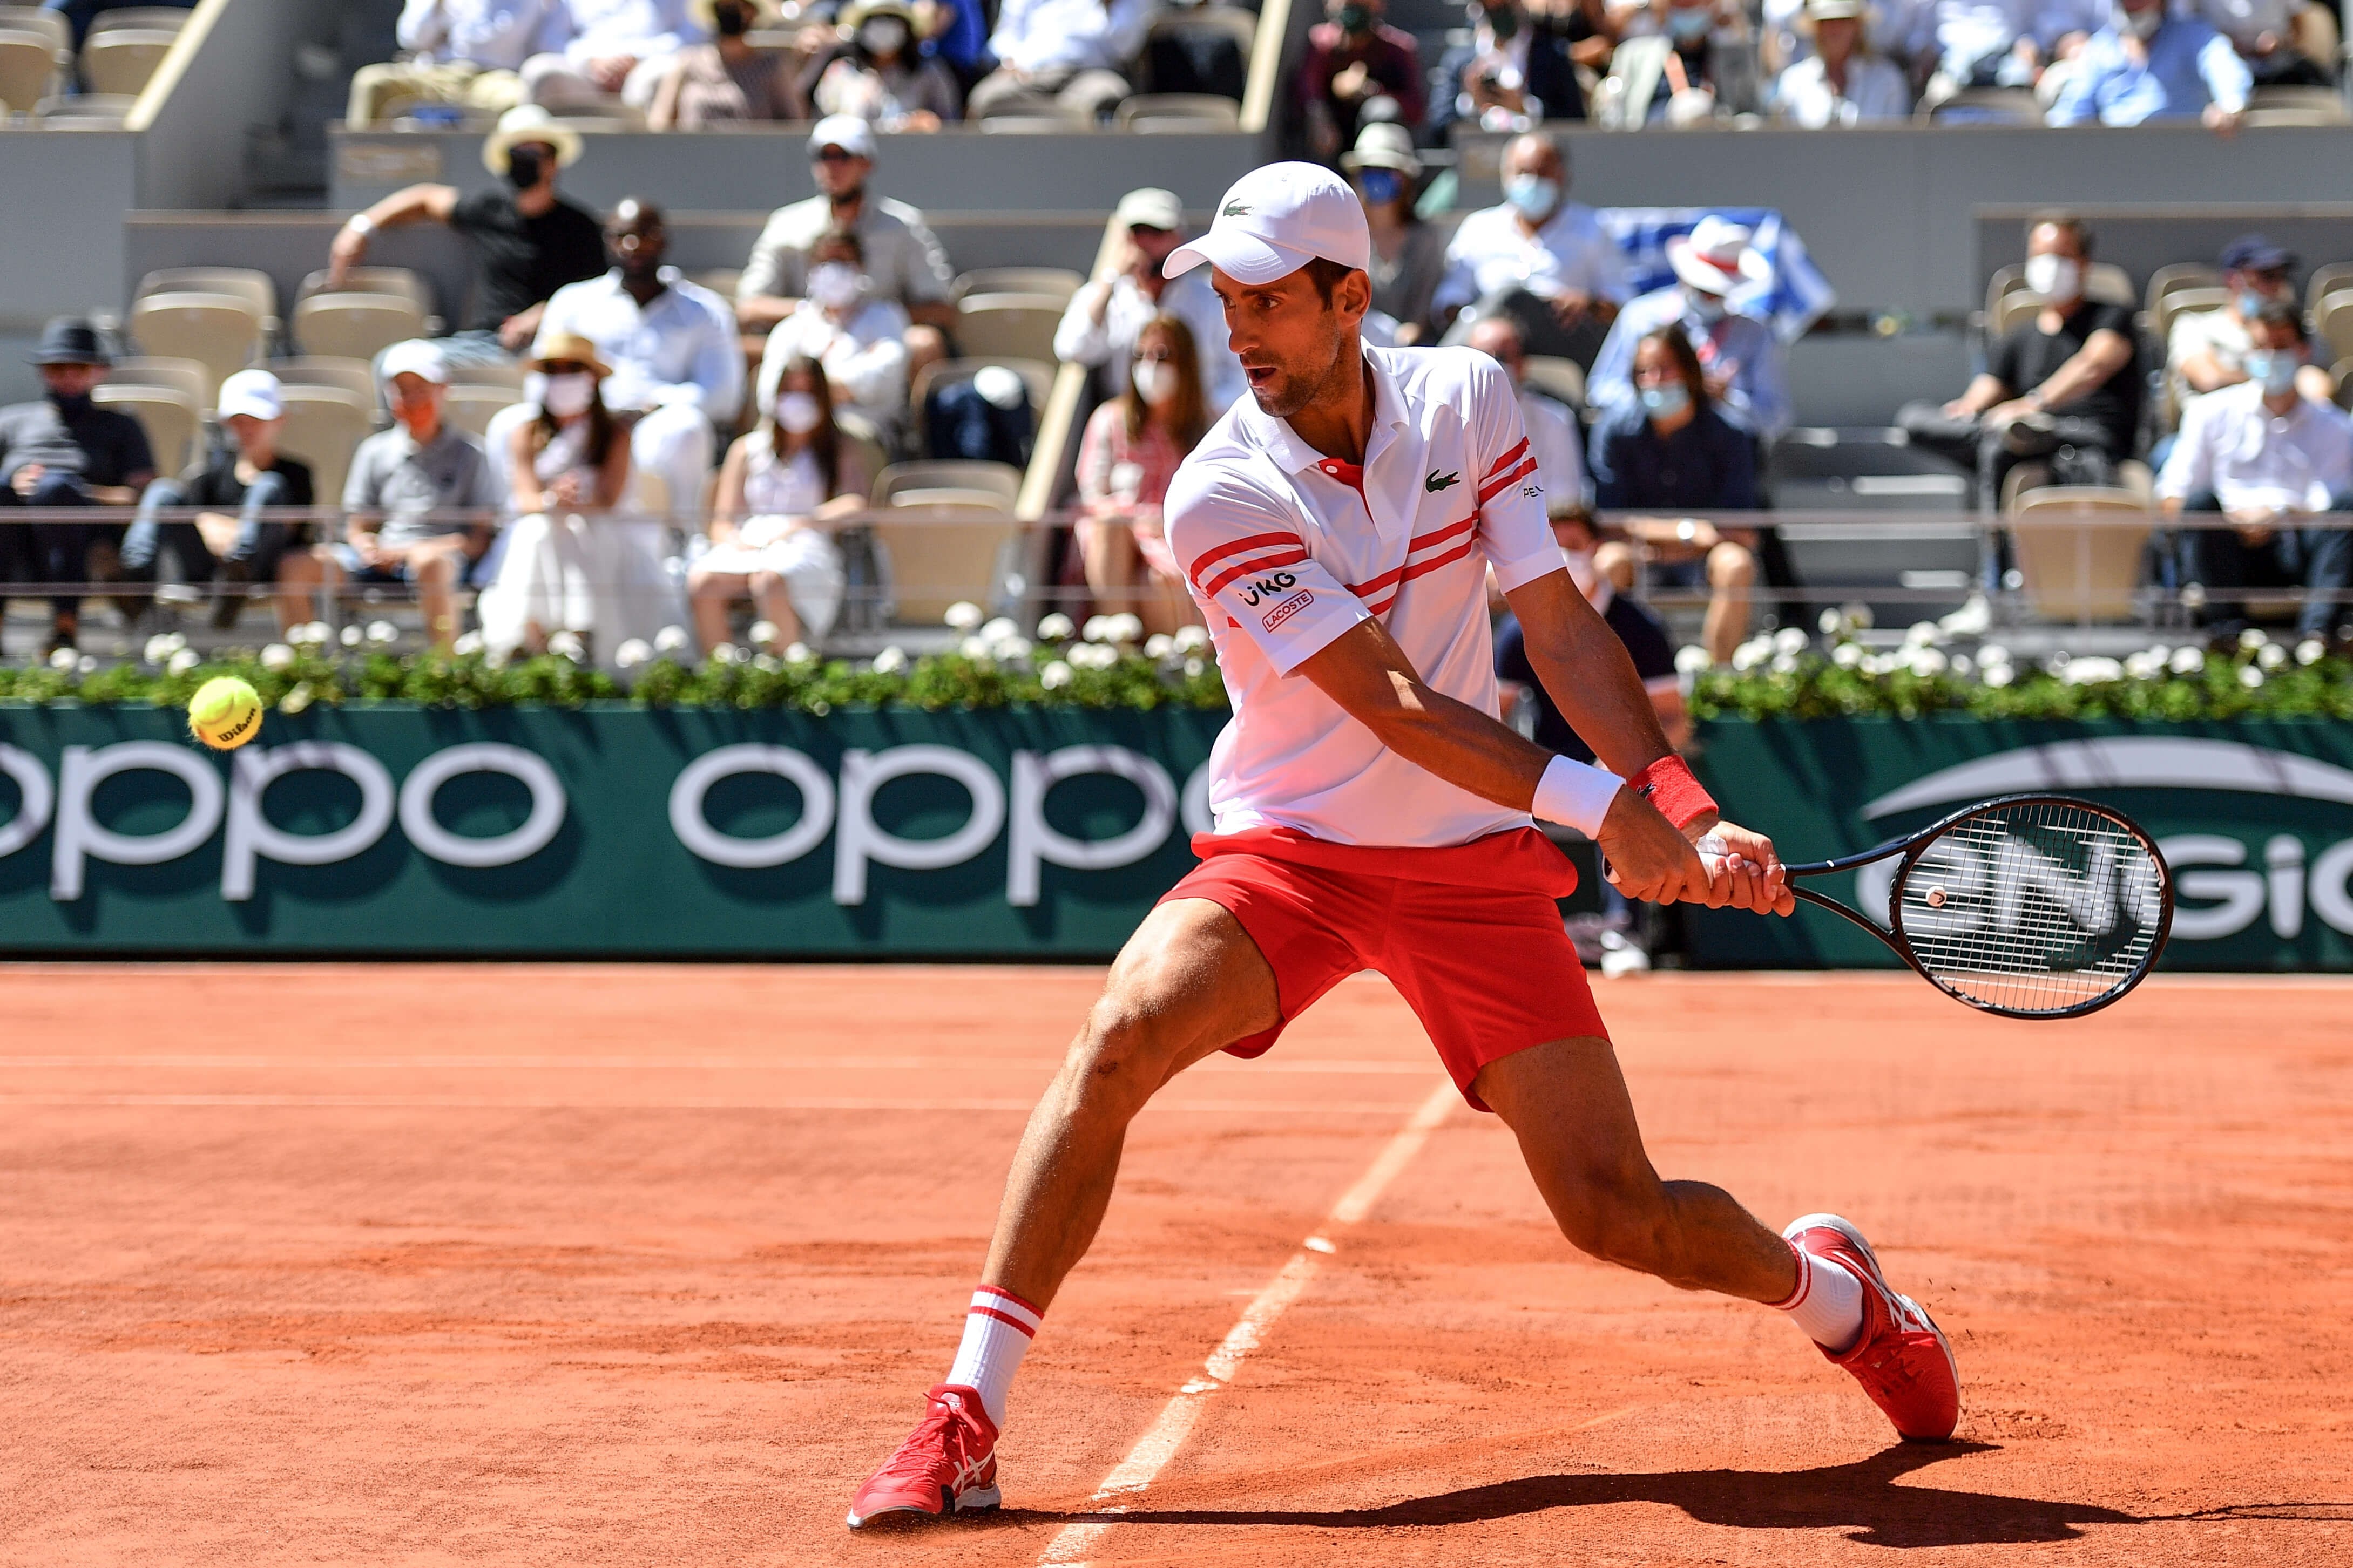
<point>48,553</point>
<point>2317,560</point>
<point>252,557</point>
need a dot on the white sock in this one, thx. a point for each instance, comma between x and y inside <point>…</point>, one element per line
<point>1827,1303</point>
<point>997,1334</point>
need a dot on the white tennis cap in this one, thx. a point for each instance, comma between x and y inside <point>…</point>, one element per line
<point>252,393</point>
<point>414,357</point>
<point>1275,220</point>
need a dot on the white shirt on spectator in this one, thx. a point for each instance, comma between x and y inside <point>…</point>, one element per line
<point>1568,250</point>
<point>1040,35</point>
<point>681,348</point>
<point>1079,339</point>
<point>1875,90</point>
<point>2217,332</point>
<point>865,357</point>
<point>2244,21</point>
<point>901,255</point>
<point>1552,442</point>
<point>641,29</point>
<point>1963,32</point>
<point>497,35</point>
<point>2246,456</point>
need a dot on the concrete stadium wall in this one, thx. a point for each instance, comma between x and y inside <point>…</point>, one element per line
<point>231,74</point>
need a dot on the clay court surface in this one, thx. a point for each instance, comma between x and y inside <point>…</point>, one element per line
<point>522,1265</point>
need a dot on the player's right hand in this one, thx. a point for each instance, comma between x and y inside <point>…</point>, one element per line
<point>1649,859</point>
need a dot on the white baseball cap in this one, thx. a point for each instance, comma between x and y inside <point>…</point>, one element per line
<point>252,393</point>
<point>1275,220</point>
<point>414,357</point>
<point>853,133</point>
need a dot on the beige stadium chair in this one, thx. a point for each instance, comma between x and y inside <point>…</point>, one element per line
<point>123,59</point>
<point>50,26</point>
<point>248,283</point>
<point>486,372</point>
<point>397,280</point>
<point>2327,280</point>
<point>167,414</point>
<point>2296,106</point>
<point>2184,303</point>
<point>356,325</point>
<point>140,19</point>
<point>1231,20</point>
<point>943,553</point>
<point>1557,378</point>
<point>2086,572</point>
<point>2180,275</point>
<point>472,406</point>
<point>1177,111</point>
<point>2342,374</point>
<point>220,332</point>
<point>1036,376</point>
<point>908,484</point>
<point>991,326</point>
<point>28,66</point>
<point>1060,282</point>
<point>2332,323</point>
<point>352,375</point>
<point>186,376</point>
<point>323,425</point>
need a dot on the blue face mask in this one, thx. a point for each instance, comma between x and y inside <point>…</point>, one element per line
<point>2251,304</point>
<point>1686,23</point>
<point>1533,196</point>
<point>1380,185</point>
<point>1666,401</point>
<point>2275,369</point>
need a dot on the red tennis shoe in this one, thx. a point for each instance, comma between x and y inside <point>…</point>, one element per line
<point>948,1464</point>
<point>1903,1360</point>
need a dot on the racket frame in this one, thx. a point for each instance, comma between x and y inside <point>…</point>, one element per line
<point>1912,846</point>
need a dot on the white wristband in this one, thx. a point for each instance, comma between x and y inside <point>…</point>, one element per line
<point>1576,794</point>
<point>360,224</point>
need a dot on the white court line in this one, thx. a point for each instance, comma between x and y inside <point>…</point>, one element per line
<point>472,1102</point>
<point>1161,1440</point>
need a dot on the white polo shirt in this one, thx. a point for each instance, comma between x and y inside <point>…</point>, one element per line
<point>2246,456</point>
<point>1284,553</point>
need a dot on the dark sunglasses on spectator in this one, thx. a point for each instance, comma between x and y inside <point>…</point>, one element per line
<point>833,155</point>
<point>1149,231</point>
<point>565,367</point>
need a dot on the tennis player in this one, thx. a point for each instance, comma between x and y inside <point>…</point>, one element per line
<point>1372,812</point>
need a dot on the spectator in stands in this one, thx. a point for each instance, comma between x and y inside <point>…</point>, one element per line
<point>1539,258</point>
<point>420,496</point>
<point>1669,451</point>
<point>1105,318</point>
<point>956,31</point>
<point>80,14</point>
<point>67,452</point>
<point>2264,34</point>
<point>785,488</point>
<point>905,264</point>
<point>676,365</point>
<point>1065,56</point>
<point>577,558</point>
<point>1408,255</point>
<point>2067,377</point>
<point>528,242</point>
<point>1686,62</point>
<point>232,543</point>
<point>1355,58</point>
<point>1843,81</point>
<point>726,80</point>
<point>616,53</point>
<point>1126,458</point>
<point>2207,350</point>
<point>880,74</point>
<point>2145,65</point>
<point>1638,628</point>
<point>859,336</point>
<point>1981,43</point>
<point>1553,434</point>
<point>461,52</point>
<point>1748,383</point>
<point>2263,455</point>
<point>1514,73</point>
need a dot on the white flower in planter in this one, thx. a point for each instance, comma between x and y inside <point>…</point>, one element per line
<point>1010,650</point>
<point>1057,628</point>
<point>1056,675</point>
<point>762,633</point>
<point>2252,638</point>
<point>1846,656</point>
<point>1096,629</point>
<point>633,653</point>
<point>295,701</point>
<point>353,636</point>
<point>277,657</point>
<point>2271,655</point>
<point>2146,665</point>
<point>2091,671</point>
<point>1790,642</point>
<point>316,634</point>
<point>891,660</point>
<point>162,646</point>
<point>1925,662</point>
<point>1159,645</point>
<point>184,660</point>
<point>1993,653</point>
<point>974,648</point>
<point>1923,634</point>
<point>2000,675</point>
<point>2187,660</point>
<point>963,615</point>
<point>1124,628</point>
<point>798,654</point>
<point>1192,639</point>
<point>1692,660</point>
<point>2310,650</point>
<point>568,645</point>
<point>1834,626</point>
<point>467,645</point>
<point>1000,629</point>
<point>2250,677</point>
<point>671,639</point>
<point>1196,667</point>
<point>384,634</point>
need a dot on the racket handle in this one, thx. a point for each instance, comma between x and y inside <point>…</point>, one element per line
<point>1712,853</point>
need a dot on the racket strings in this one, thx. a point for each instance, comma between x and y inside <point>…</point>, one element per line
<point>2037,908</point>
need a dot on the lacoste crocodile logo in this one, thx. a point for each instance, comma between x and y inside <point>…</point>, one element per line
<point>1234,209</point>
<point>1438,482</point>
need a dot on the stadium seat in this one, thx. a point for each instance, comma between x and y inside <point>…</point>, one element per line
<point>140,19</point>
<point>2326,280</point>
<point>2296,106</point>
<point>182,376</point>
<point>1199,24</point>
<point>991,326</point>
<point>2081,573</point>
<point>2343,372</point>
<point>2332,323</point>
<point>1560,379</point>
<point>356,324</point>
<point>471,406</point>
<point>221,332</point>
<point>1178,111</point>
<point>399,281</point>
<point>168,414</point>
<point>50,26</point>
<point>486,372</point>
<point>1060,282</point>
<point>2180,275</point>
<point>323,425</point>
<point>2184,302</point>
<point>913,484</point>
<point>2008,301</point>
<point>1037,375</point>
<point>123,59</point>
<point>28,66</point>
<point>1984,105</point>
<point>352,375</point>
<point>942,553</point>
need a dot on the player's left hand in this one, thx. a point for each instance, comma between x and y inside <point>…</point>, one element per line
<point>1749,876</point>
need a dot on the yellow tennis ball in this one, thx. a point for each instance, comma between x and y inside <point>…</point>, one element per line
<point>224,713</point>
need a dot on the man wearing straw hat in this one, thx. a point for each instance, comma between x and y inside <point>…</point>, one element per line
<point>1746,376</point>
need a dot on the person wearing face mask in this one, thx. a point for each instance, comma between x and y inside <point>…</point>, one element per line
<point>783,490</point>
<point>1747,379</point>
<point>1100,326</point>
<point>64,451</point>
<point>527,240</point>
<point>726,80</point>
<point>1408,255</point>
<point>1844,81</point>
<point>1553,434</point>
<point>2066,376</point>
<point>2206,351</point>
<point>575,559</point>
<point>880,74</point>
<point>1128,454</point>
<point>2147,64</point>
<point>676,368</point>
<point>2263,455</point>
<point>616,51</point>
<point>1684,62</point>
<point>1538,258</point>
<point>1353,58</point>
<point>860,338</point>
<point>1515,70</point>
<point>1668,451</point>
<point>462,52</point>
<point>1060,56</point>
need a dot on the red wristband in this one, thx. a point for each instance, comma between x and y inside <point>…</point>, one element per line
<point>1668,785</point>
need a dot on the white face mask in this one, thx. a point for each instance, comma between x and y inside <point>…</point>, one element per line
<point>797,413</point>
<point>1155,380</point>
<point>568,396</point>
<point>883,35</point>
<point>2055,278</point>
<point>834,284</point>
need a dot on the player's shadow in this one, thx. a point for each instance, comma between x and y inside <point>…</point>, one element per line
<point>1862,1498</point>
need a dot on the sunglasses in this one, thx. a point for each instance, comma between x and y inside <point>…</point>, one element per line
<point>834,156</point>
<point>1148,231</point>
<point>565,367</point>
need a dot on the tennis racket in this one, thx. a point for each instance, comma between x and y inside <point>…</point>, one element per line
<point>2032,906</point>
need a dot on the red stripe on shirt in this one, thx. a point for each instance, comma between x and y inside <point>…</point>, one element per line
<point>1424,542</point>
<point>1508,459</point>
<point>1494,488</point>
<point>1420,568</point>
<point>1255,541</point>
<point>1290,557</point>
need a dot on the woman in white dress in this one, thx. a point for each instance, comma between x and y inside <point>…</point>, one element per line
<point>577,558</point>
<point>783,488</point>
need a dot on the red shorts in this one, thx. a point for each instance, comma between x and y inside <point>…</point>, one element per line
<point>1471,936</point>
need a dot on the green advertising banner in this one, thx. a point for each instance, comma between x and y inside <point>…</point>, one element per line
<point>2255,816</point>
<point>612,830</point>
